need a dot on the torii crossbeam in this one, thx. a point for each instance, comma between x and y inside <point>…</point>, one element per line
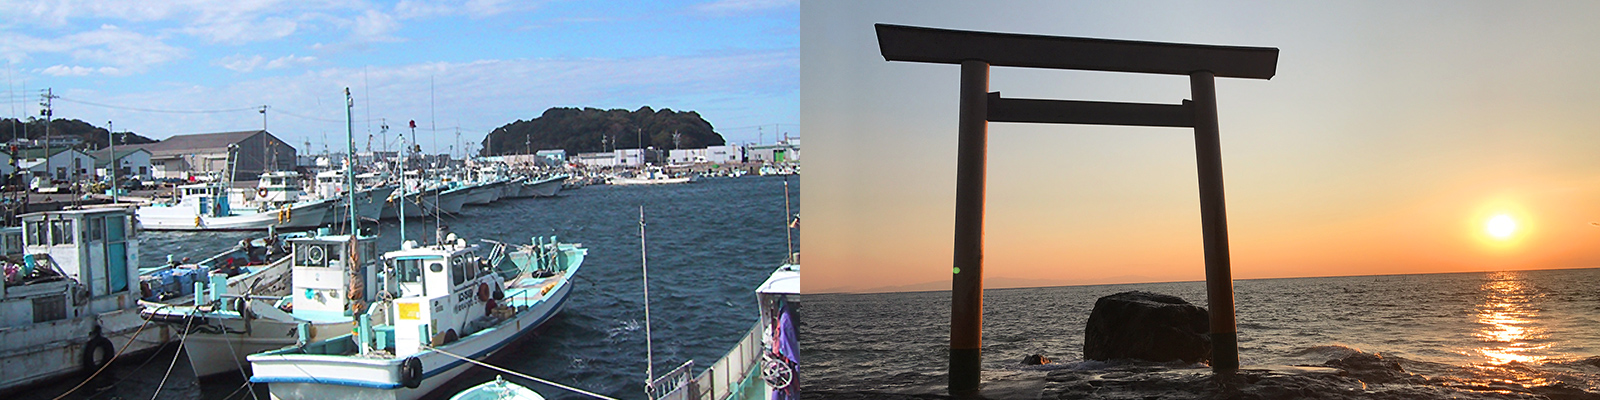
<point>977,51</point>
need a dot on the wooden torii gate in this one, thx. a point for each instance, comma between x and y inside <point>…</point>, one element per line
<point>977,51</point>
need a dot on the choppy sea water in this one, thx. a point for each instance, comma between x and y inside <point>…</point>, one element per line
<point>710,244</point>
<point>1528,334</point>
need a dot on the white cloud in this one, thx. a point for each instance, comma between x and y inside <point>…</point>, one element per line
<point>289,61</point>
<point>728,7</point>
<point>375,26</point>
<point>121,51</point>
<point>410,9</point>
<point>477,95</point>
<point>240,63</point>
<point>67,70</point>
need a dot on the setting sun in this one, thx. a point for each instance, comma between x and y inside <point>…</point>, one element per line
<point>1502,226</point>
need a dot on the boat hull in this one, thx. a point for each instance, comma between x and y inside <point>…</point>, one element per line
<point>299,217</point>
<point>297,375</point>
<point>225,351</point>
<point>46,351</point>
<point>544,188</point>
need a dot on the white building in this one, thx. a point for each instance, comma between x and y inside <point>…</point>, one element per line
<point>556,156</point>
<point>614,158</point>
<point>63,164</point>
<point>727,154</point>
<point>781,152</point>
<point>133,162</point>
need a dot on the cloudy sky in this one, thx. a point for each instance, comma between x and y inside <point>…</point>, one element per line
<point>1393,133</point>
<point>191,66</point>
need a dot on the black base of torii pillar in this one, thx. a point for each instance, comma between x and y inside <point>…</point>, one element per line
<point>977,51</point>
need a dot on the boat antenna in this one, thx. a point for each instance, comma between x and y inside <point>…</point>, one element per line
<point>649,366</point>
<point>350,161</point>
<point>399,199</point>
<point>788,221</point>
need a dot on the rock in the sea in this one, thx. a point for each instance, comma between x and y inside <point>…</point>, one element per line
<point>1147,326</point>
<point>1036,359</point>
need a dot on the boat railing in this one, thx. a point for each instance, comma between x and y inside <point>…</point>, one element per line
<point>728,376</point>
<point>673,385</point>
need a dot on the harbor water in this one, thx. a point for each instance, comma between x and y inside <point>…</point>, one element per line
<point>710,243</point>
<point>1499,335</point>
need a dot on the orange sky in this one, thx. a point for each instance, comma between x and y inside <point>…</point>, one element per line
<point>1390,136</point>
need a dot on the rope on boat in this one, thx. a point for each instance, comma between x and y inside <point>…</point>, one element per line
<point>181,340</point>
<point>108,362</point>
<point>519,374</point>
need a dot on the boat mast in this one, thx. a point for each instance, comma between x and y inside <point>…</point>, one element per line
<point>788,221</point>
<point>350,162</point>
<point>649,366</point>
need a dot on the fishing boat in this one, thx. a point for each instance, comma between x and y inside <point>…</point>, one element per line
<point>328,289</point>
<point>649,176</point>
<point>543,187</point>
<point>371,195</point>
<point>451,299</point>
<point>762,365</point>
<point>206,207</point>
<point>68,300</point>
<point>257,265</point>
<point>497,389</point>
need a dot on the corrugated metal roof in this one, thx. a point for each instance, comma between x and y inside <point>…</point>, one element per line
<point>196,143</point>
<point>101,159</point>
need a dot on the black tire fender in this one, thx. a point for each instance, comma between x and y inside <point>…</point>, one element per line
<point>411,372</point>
<point>97,344</point>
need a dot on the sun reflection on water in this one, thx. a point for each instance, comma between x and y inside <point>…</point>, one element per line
<point>1508,333</point>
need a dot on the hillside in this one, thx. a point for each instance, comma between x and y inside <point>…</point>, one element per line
<point>581,130</point>
<point>93,136</point>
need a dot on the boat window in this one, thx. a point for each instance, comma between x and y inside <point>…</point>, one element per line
<point>97,228</point>
<point>13,243</point>
<point>408,271</point>
<point>336,252</point>
<point>37,233</point>
<point>116,229</point>
<point>457,272</point>
<point>61,231</point>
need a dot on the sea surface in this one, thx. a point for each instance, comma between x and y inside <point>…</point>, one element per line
<point>1513,335</point>
<point>710,244</point>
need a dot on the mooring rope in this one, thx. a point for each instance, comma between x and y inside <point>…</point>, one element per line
<point>181,340</point>
<point>519,374</point>
<point>108,362</point>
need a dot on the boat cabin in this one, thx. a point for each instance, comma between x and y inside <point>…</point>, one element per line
<point>278,187</point>
<point>209,199</point>
<point>325,285</point>
<point>443,288</point>
<point>69,262</point>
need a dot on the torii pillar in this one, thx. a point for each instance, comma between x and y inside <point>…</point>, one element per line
<point>977,51</point>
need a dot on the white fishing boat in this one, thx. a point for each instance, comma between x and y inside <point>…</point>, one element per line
<point>68,300</point>
<point>254,265</point>
<point>371,195</point>
<point>450,300</point>
<point>497,389</point>
<point>649,176</point>
<point>481,193</point>
<point>762,365</point>
<point>543,187</point>
<point>325,293</point>
<point>205,207</point>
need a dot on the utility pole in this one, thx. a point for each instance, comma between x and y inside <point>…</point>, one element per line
<point>264,142</point>
<point>112,132</point>
<point>48,111</point>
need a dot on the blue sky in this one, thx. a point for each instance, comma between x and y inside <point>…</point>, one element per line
<point>490,62</point>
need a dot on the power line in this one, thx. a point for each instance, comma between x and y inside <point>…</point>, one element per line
<point>159,110</point>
